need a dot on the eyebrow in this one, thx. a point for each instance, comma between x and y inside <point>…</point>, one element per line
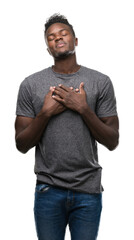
<point>63,29</point>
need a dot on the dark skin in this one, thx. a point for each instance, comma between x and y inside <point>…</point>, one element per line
<point>61,45</point>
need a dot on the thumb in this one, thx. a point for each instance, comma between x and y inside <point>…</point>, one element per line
<point>81,87</point>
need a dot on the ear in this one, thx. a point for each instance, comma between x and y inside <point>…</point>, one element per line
<point>76,41</point>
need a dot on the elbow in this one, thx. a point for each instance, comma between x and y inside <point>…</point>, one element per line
<point>113,145</point>
<point>20,147</point>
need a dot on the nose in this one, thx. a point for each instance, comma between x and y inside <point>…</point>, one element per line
<point>58,37</point>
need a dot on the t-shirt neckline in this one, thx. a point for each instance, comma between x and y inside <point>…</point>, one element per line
<point>65,74</point>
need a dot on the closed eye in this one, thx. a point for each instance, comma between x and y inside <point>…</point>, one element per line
<point>64,32</point>
<point>51,38</point>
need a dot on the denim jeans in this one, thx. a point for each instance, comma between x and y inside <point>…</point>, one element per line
<point>56,207</point>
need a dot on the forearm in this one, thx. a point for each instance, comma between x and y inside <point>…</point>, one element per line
<point>30,136</point>
<point>103,133</point>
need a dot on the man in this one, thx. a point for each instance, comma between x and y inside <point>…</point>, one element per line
<point>63,111</point>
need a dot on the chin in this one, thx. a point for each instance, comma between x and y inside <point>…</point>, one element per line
<point>63,55</point>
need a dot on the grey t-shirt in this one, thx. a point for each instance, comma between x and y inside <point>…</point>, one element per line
<point>66,155</point>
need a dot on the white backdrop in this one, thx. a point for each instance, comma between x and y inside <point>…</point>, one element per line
<point>106,43</point>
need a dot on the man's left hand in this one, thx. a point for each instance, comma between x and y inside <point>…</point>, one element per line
<point>70,98</point>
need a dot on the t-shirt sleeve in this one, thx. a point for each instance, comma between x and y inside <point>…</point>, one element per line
<point>106,104</point>
<point>24,101</point>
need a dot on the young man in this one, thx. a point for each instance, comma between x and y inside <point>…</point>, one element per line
<point>63,111</point>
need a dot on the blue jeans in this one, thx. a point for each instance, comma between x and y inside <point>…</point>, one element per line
<point>56,207</point>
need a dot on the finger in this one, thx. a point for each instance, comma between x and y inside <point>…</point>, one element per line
<point>77,90</point>
<point>71,88</point>
<point>51,88</point>
<point>81,87</point>
<point>58,99</point>
<point>59,92</point>
<point>65,88</point>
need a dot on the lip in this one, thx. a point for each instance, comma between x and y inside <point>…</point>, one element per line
<point>60,44</point>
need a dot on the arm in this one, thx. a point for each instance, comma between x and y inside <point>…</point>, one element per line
<point>29,130</point>
<point>104,130</point>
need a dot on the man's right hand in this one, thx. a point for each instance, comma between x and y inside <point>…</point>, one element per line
<point>52,107</point>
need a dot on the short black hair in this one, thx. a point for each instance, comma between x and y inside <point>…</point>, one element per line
<point>57,18</point>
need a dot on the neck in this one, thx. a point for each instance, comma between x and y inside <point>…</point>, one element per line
<point>67,65</point>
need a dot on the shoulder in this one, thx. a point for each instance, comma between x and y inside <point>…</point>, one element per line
<point>37,76</point>
<point>100,79</point>
<point>94,74</point>
<point>32,80</point>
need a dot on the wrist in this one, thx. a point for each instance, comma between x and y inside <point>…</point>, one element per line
<point>83,109</point>
<point>44,114</point>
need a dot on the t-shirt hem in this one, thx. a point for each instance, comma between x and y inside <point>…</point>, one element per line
<point>98,190</point>
<point>107,115</point>
<point>24,115</point>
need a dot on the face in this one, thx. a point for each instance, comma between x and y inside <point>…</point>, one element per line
<point>60,40</point>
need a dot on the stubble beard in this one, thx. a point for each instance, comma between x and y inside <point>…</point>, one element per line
<point>63,55</point>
